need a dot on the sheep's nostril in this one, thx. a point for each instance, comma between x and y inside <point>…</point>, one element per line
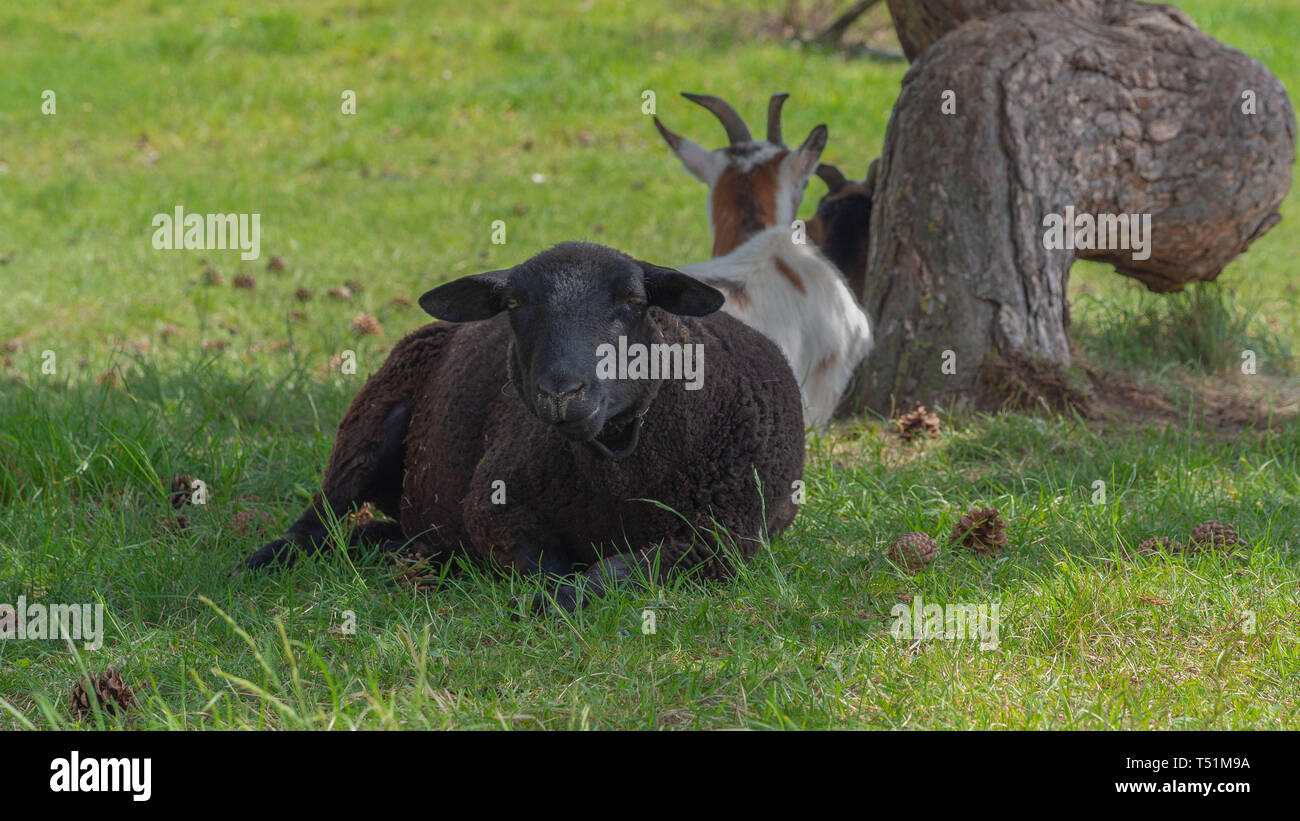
<point>561,388</point>
<point>554,396</point>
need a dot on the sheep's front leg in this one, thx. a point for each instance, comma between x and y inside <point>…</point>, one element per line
<point>509,536</point>
<point>379,535</point>
<point>366,465</point>
<point>636,569</point>
<point>529,558</point>
<point>700,552</point>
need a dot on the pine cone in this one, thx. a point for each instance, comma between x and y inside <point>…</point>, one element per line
<point>913,551</point>
<point>180,491</point>
<point>365,325</point>
<point>919,421</point>
<point>1215,537</point>
<point>364,515</point>
<point>981,530</point>
<point>1160,544</point>
<point>113,694</point>
<point>256,522</point>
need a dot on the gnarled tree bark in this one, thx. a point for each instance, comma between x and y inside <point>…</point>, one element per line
<point>920,22</point>
<point>1103,107</point>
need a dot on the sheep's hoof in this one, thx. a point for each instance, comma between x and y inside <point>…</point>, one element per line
<point>564,600</point>
<point>279,553</point>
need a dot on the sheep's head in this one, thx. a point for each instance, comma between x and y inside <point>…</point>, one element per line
<point>841,227</point>
<point>566,306</point>
<point>753,184</point>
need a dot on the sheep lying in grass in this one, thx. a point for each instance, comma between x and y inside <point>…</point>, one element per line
<point>505,433</point>
<point>774,280</point>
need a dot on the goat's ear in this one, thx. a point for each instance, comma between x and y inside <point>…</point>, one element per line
<point>467,299</point>
<point>679,294</point>
<point>802,162</point>
<point>703,164</point>
<point>832,176</point>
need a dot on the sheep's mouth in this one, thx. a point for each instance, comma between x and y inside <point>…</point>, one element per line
<point>619,437</point>
<point>609,438</point>
<point>584,428</point>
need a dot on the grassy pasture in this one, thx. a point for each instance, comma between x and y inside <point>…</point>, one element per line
<point>533,115</point>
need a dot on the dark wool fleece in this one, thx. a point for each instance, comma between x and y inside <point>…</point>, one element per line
<point>702,453</point>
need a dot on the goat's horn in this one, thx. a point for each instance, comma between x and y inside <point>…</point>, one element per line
<point>831,176</point>
<point>774,118</point>
<point>737,131</point>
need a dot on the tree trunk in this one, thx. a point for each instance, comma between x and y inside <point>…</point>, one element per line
<point>920,22</point>
<point>1102,108</point>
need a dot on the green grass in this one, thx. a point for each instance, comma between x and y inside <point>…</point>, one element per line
<point>1204,328</point>
<point>456,112</point>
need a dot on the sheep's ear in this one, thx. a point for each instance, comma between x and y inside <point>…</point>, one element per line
<point>679,294</point>
<point>802,162</point>
<point>467,299</point>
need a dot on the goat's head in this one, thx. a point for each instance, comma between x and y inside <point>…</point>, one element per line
<point>841,226</point>
<point>565,305</point>
<point>753,184</point>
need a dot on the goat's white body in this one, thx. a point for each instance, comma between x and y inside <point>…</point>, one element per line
<point>822,330</point>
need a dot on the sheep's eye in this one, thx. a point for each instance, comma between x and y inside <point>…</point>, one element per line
<point>634,300</point>
<point>511,303</point>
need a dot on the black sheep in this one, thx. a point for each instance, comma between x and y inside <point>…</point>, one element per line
<point>494,434</point>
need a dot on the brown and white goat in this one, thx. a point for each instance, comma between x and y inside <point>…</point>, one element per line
<point>842,224</point>
<point>773,280</point>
